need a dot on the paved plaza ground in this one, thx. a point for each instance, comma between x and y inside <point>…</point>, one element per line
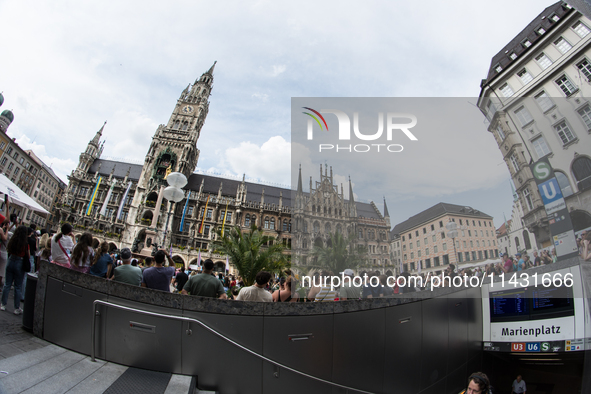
<point>31,365</point>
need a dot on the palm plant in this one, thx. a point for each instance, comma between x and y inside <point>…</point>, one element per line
<point>251,252</point>
<point>340,255</point>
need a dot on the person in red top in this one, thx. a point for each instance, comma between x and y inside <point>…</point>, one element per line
<point>18,248</point>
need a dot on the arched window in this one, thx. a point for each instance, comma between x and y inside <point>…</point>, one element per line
<point>517,243</point>
<point>176,124</point>
<point>316,227</point>
<point>305,227</point>
<point>185,126</point>
<point>305,244</point>
<point>327,228</point>
<point>247,220</point>
<point>582,173</point>
<point>272,223</point>
<point>526,240</point>
<point>284,224</point>
<point>564,184</point>
<point>266,222</point>
<point>253,220</point>
<point>289,226</point>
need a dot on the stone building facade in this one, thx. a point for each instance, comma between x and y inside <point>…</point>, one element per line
<point>31,175</point>
<point>424,240</point>
<point>535,97</point>
<point>323,210</point>
<point>210,202</point>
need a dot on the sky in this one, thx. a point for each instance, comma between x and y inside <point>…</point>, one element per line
<point>67,67</point>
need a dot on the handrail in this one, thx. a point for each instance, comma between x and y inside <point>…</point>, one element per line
<point>189,319</point>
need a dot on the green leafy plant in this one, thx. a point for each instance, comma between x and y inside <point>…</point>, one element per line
<point>248,254</point>
<point>340,255</point>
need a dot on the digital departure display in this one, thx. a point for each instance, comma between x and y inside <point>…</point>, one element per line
<point>531,303</point>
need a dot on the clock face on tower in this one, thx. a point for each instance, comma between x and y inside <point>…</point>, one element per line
<point>187,109</point>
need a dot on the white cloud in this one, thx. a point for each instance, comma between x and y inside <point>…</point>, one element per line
<point>280,69</point>
<point>260,96</point>
<point>269,162</point>
<point>61,167</point>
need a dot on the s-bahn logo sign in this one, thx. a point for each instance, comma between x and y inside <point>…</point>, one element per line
<point>396,124</point>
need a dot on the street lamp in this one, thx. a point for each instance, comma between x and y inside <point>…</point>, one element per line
<point>453,233</point>
<point>173,194</point>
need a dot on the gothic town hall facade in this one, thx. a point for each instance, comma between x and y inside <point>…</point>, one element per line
<point>132,192</point>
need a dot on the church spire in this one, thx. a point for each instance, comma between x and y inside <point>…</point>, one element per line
<point>300,189</point>
<point>98,135</point>
<point>386,214</point>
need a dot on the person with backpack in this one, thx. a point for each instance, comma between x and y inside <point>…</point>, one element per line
<point>62,245</point>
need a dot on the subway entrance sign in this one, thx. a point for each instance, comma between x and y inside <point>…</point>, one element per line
<point>561,226</point>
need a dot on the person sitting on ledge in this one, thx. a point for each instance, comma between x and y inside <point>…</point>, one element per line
<point>127,273</point>
<point>205,284</point>
<point>159,276</point>
<point>257,291</point>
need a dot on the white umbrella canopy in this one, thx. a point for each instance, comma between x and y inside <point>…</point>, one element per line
<point>17,196</point>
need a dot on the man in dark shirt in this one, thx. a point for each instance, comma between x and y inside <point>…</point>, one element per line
<point>180,279</point>
<point>205,284</point>
<point>159,276</point>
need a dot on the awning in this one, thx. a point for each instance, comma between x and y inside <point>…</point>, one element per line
<point>17,196</point>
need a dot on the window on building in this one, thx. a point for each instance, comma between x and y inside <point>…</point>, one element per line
<point>426,240</point>
<point>206,230</point>
<point>418,253</point>
<point>474,255</point>
<point>585,113</point>
<point>498,68</point>
<point>540,31</point>
<point>4,160</point>
<point>528,199</point>
<point>514,164</point>
<point>209,214</point>
<point>581,29</point>
<point>427,263</point>
<point>432,227</point>
<point>541,147</point>
<point>434,238</point>
<point>523,116</point>
<point>562,45</point>
<point>467,256</point>
<point>582,172</point>
<point>10,165</point>
<point>440,224</point>
<point>436,261</point>
<point>272,224</point>
<point>480,255</point>
<point>506,90</point>
<point>564,132</point>
<point>460,259</point>
<point>501,133</point>
<point>444,246</point>
<point>524,76</point>
<point>585,67</point>
<point>526,43</point>
<point>543,61</point>
<point>426,251</point>
<point>544,101</point>
<point>418,244</point>
<point>491,109</point>
<point>566,85</point>
<point>435,249</point>
<point>412,255</point>
<point>16,171</point>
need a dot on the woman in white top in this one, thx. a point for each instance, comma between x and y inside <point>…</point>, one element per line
<point>62,245</point>
<point>83,254</point>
